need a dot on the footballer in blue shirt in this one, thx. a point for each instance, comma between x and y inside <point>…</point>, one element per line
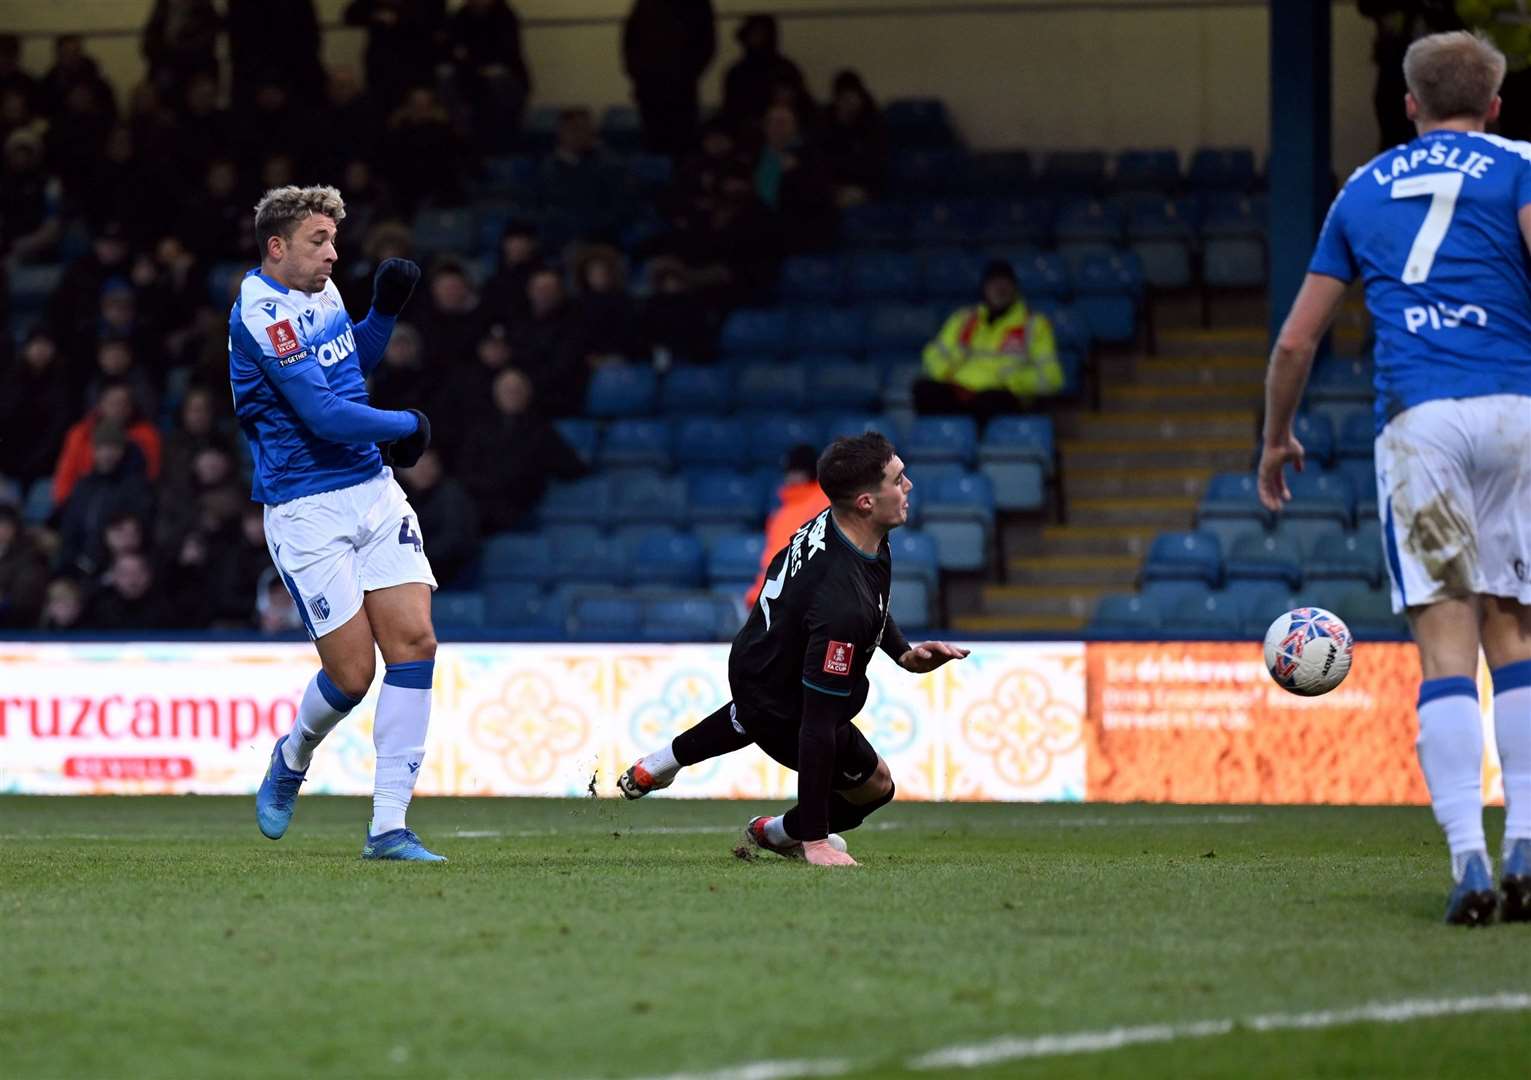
<point>338,525</point>
<point>1438,230</point>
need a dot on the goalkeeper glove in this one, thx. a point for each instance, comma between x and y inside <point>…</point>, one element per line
<point>404,453</point>
<point>392,286</point>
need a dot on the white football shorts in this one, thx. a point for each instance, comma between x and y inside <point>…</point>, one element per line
<point>1454,496</point>
<point>336,546</point>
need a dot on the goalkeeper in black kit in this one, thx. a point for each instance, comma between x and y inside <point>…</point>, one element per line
<point>797,669</point>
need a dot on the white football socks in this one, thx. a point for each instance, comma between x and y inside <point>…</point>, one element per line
<point>1512,733</point>
<point>776,831</point>
<point>1450,749</point>
<point>324,705</point>
<point>661,764</point>
<point>398,733</point>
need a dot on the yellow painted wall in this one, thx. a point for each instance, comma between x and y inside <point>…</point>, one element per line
<point>1128,73</point>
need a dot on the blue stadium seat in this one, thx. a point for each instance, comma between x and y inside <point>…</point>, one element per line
<point>1316,434</point>
<point>914,555</point>
<point>735,557</point>
<point>1369,614</point>
<point>929,171</point>
<point>1322,495</point>
<point>516,557</point>
<point>683,617</point>
<point>724,495</point>
<point>912,603</point>
<point>952,274</point>
<point>1234,262</point>
<point>1156,170</point>
<point>1341,380</point>
<point>843,386</point>
<point>526,608</point>
<point>583,436</point>
<point>1117,274</point>
<point>622,390</point>
<point>1074,172</point>
<point>1259,603</point>
<point>754,332</point>
<point>814,279</point>
<point>941,439</point>
<point>1041,275</point>
<point>877,224</point>
<point>1215,168</point>
<point>1019,438</point>
<point>856,423</point>
<point>1169,595</point>
<point>38,506</point>
<point>959,513</point>
<point>1023,220</point>
<point>901,326</point>
<point>667,557</point>
<point>772,386</point>
<point>582,554</point>
<point>1088,225</point>
<point>884,275</point>
<point>1265,558</point>
<point>821,329</point>
<point>948,221</point>
<point>1358,436</point>
<point>694,388</point>
<point>633,442</point>
<point>1111,317</point>
<point>1233,495</point>
<point>1362,474</point>
<point>605,617</point>
<point>1126,613</point>
<point>898,385</point>
<point>1161,234</point>
<point>770,437</point>
<point>918,122</point>
<point>1185,556</point>
<point>644,495</point>
<point>1215,615</point>
<point>1001,172</point>
<point>460,610</point>
<point>1070,330</point>
<point>649,173</point>
<point>1336,553</point>
<point>575,501</point>
<point>711,440</point>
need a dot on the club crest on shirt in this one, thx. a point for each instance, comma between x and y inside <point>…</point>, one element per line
<point>283,340</point>
<point>837,657</point>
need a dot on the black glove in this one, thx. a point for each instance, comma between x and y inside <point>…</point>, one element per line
<point>392,285</point>
<point>404,453</point>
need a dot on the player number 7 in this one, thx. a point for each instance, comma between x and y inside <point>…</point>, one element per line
<point>1443,189</point>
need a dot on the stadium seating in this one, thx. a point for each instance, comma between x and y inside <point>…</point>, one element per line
<point>1125,613</point>
<point>1265,558</point>
<point>1185,556</point>
<point>959,513</point>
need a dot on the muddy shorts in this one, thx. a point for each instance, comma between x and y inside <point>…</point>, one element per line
<point>1454,495</point>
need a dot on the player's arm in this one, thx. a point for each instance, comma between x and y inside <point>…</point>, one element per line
<point>1291,360</point>
<point>921,658</point>
<point>392,286</point>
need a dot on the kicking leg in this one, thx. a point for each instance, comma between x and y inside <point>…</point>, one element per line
<point>401,622</point>
<point>718,734</point>
<point>863,784</point>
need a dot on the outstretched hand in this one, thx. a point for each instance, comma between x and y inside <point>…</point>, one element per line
<point>930,655</point>
<point>1273,489</point>
<point>393,284</point>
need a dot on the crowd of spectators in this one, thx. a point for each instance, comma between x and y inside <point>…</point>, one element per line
<point>118,393</point>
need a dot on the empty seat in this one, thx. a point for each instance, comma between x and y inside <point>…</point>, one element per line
<point>877,224</point>
<point>1335,554</point>
<point>523,607</point>
<point>1222,168</point>
<point>772,386</point>
<point>459,610</point>
<point>713,440</point>
<point>918,121</point>
<point>1185,556</point>
<point>912,603</point>
<point>771,437</point>
<point>822,329</point>
<point>508,557</point>
<point>696,389</point>
<point>685,617</point>
<point>635,442</point>
<point>605,617</point>
<point>843,386</point>
<point>1088,224</point>
<point>583,554</point>
<point>915,555</point>
<point>884,275</point>
<point>1126,613</point>
<point>959,512</point>
<point>622,390</point>
<point>901,326</point>
<point>1213,615</point>
<point>1156,170</point>
<point>735,557</point>
<point>952,274</point>
<point>947,221</point>
<point>812,278</point>
<point>1369,614</point>
<point>583,436</point>
<point>1358,435</point>
<point>1321,495</point>
<point>941,439</point>
<point>1265,558</point>
<point>724,495</point>
<point>645,495</point>
<point>930,170</point>
<point>667,557</point>
<point>1316,434</point>
<point>1075,172</point>
<point>1001,172</point>
<point>1041,275</point>
<point>575,501</point>
<point>754,332</point>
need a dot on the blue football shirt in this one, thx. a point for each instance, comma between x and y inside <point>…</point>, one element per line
<point>1431,228</point>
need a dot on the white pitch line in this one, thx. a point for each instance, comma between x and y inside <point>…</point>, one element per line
<point>1063,1044</point>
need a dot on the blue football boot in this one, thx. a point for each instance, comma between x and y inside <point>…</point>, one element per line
<point>1515,883</point>
<point>1473,901</point>
<point>401,845</point>
<point>278,793</point>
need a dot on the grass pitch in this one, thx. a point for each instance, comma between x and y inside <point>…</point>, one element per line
<point>167,938</point>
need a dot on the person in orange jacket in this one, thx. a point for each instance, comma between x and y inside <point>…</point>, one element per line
<point>116,403</point>
<point>800,498</point>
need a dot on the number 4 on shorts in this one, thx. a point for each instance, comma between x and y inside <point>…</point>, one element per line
<point>406,536</point>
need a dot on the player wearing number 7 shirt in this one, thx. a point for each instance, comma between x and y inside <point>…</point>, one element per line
<point>339,528</point>
<point>797,668</point>
<point>1439,230</point>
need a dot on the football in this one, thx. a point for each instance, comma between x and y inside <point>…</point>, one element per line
<point>1307,651</point>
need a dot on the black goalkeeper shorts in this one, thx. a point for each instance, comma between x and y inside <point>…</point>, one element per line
<point>855,758</point>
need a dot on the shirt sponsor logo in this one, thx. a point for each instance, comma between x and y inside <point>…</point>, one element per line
<point>283,340</point>
<point>837,657</point>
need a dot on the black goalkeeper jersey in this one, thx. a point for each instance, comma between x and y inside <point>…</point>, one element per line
<point>821,615</point>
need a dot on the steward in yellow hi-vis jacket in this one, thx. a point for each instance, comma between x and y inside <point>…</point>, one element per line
<point>999,345</point>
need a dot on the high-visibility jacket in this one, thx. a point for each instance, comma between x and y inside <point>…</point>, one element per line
<point>1013,352</point>
<point>799,503</point>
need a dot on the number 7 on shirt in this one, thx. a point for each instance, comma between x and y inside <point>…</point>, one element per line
<point>1443,189</point>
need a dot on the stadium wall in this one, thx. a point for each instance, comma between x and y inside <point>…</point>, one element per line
<point>1032,73</point>
<point>1184,722</point>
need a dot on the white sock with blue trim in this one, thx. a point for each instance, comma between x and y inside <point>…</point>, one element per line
<point>1450,747</point>
<point>1512,734</point>
<point>324,705</point>
<point>398,733</point>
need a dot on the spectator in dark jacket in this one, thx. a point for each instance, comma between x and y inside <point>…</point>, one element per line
<point>361,114</point>
<point>72,66</point>
<point>751,83</point>
<point>666,46</point>
<point>677,326</point>
<point>506,464</point>
<point>112,487</point>
<point>609,314</point>
<point>129,599</point>
<point>196,430</point>
<point>34,410</point>
<point>211,222</point>
<point>452,319</point>
<point>254,58</point>
<point>402,380</point>
<point>468,392</point>
<point>520,254</point>
<point>489,70</point>
<point>404,40</point>
<point>27,230</point>
<point>548,346</point>
<point>73,307</point>
<point>578,179</point>
<point>854,141</point>
<point>12,77</point>
<point>181,40</point>
<point>448,518</point>
<point>77,135</point>
<point>237,557</point>
<point>23,573</point>
<point>422,153</point>
<point>790,178</point>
